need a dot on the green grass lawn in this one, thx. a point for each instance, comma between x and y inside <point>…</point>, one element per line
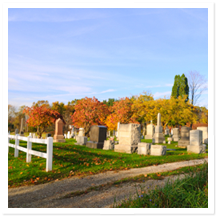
<point>70,160</point>
<point>190,192</point>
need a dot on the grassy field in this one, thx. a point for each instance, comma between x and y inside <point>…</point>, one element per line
<point>190,192</point>
<point>74,160</point>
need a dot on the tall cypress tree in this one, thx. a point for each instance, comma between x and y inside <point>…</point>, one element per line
<point>175,88</point>
<point>180,87</point>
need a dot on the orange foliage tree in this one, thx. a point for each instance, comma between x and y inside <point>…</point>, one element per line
<point>41,117</point>
<point>88,112</point>
<point>122,112</point>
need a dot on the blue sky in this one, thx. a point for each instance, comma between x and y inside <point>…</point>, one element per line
<point>66,54</point>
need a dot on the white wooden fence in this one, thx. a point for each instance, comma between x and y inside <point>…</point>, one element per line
<point>48,155</point>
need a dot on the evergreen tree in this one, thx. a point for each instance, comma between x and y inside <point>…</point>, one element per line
<point>175,88</point>
<point>110,101</point>
<point>180,86</point>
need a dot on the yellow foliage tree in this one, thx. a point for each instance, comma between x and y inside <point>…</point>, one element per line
<point>110,124</point>
<point>174,111</point>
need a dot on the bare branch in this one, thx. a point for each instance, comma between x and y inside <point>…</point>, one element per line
<point>197,84</point>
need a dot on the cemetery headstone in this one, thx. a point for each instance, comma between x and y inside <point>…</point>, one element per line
<point>167,131</point>
<point>150,131</point>
<point>205,133</point>
<point>144,148</point>
<point>176,136</point>
<point>34,136</point>
<point>108,145</point>
<point>97,136</point>
<point>81,140</point>
<point>81,132</point>
<point>169,142</point>
<point>158,150</point>
<point>68,135</point>
<point>158,135</point>
<point>185,137</point>
<point>196,139</point>
<point>129,137</point>
<point>169,139</point>
<point>59,137</point>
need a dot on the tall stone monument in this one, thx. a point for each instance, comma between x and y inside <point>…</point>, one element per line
<point>185,137</point>
<point>158,135</point>
<point>205,133</point>
<point>129,137</point>
<point>97,136</point>
<point>59,137</point>
<point>21,128</point>
<point>176,136</point>
<point>150,131</point>
<point>196,139</point>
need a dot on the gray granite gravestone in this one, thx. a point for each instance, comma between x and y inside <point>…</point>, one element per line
<point>97,136</point>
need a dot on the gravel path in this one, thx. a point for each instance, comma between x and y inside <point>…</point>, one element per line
<point>47,195</point>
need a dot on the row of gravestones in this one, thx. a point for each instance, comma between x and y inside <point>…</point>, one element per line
<point>129,139</point>
<point>129,136</point>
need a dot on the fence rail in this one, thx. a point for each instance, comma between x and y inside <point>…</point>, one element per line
<point>48,155</point>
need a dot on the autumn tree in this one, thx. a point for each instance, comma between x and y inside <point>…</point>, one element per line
<point>142,107</point>
<point>18,116</point>
<point>88,112</point>
<point>174,111</point>
<point>11,116</point>
<point>41,116</point>
<point>59,107</point>
<point>122,112</point>
<point>202,114</point>
<point>68,112</point>
<point>40,103</point>
<point>197,84</point>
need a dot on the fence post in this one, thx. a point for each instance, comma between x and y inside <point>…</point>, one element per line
<point>49,154</point>
<point>29,147</point>
<point>16,151</point>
